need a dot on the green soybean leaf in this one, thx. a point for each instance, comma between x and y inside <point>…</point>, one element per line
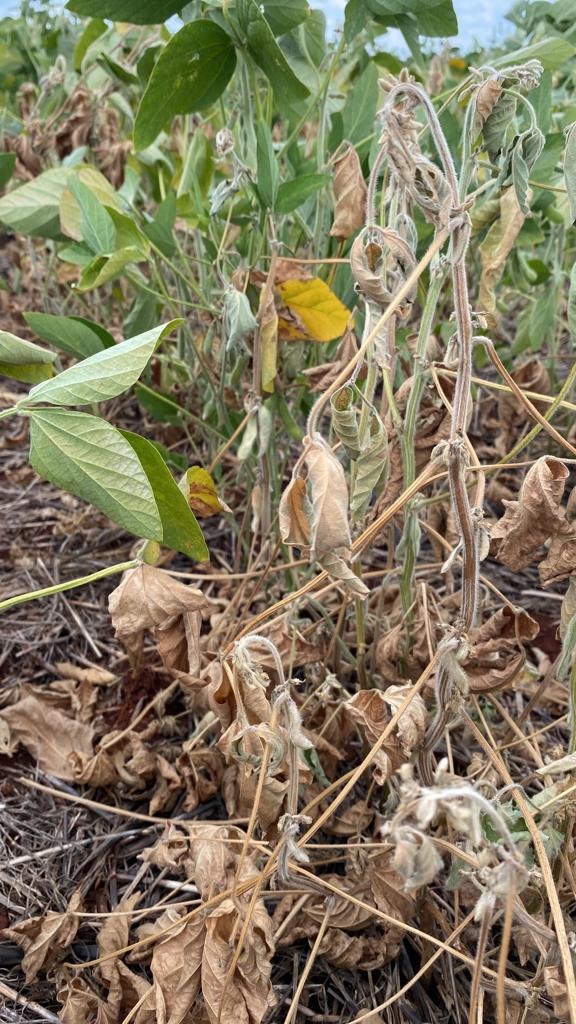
<point>180,530</point>
<point>496,125</point>
<point>291,194</point>
<point>160,231</point>
<point>73,334</point>
<point>190,74</point>
<point>570,168</point>
<point>33,208</point>
<point>360,107</point>
<point>266,53</point>
<point>526,151</point>
<point>93,30</point>
<point>238,318</point>
<point>101,269</point>
<point>103,375</point>
<point>282,16</point>
<point>138,12</point>
<point>24,361</point>
<point>7,162</point>
<point>553,53</point>
<point>89,458</point>
<point>96,224</point>
<point>268,175</point>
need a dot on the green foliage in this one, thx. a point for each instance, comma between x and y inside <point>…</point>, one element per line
<point>190,74</point>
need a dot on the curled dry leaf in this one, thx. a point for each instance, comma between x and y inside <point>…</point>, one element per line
<point>497,657</point>
<point>54,739</point>
<point>149,599</point>
<point>80,1003</point>
<point>45,938</point>
<point>560,560</point>
<point>537,515</point>
<point>329,519</point>
<point>370,709</point>
<point>321,522</point>
<point>350,194</point>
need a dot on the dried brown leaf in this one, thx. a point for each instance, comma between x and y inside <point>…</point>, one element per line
<point>176,965</point>
<point>293,514</point>
<point>370,709</point>
<point>486,96</point>
<point>52,737</point>
<point>80,1003</point>
<point>361,952</point>
<point>247,995</point>
<point>149,599</point>
<point>560,560</point>
<point>43,939</point>
<point>530,521</point>
<point>350,194</point>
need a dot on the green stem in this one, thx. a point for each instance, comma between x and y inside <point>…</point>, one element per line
<point>80,581</point>
<point>437,277</point>
<point>12,411</point>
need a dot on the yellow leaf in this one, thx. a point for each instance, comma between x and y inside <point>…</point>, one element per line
<point>319,314</point>
<point>268,338</point>
<point>200,491</point>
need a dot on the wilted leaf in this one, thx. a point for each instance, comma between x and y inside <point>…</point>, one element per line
<point>530,521</point>
<point>316,313</point>
<point>43,939</point>
<point>495,249</point>
<point>51,737</point>
<point>149,599</point>
<point>350,194</point>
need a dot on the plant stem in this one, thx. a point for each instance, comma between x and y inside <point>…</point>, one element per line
<point>80,581</point>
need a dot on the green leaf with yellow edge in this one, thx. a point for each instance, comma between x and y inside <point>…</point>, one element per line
<point>200,492</point>
<point>320,316</point>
